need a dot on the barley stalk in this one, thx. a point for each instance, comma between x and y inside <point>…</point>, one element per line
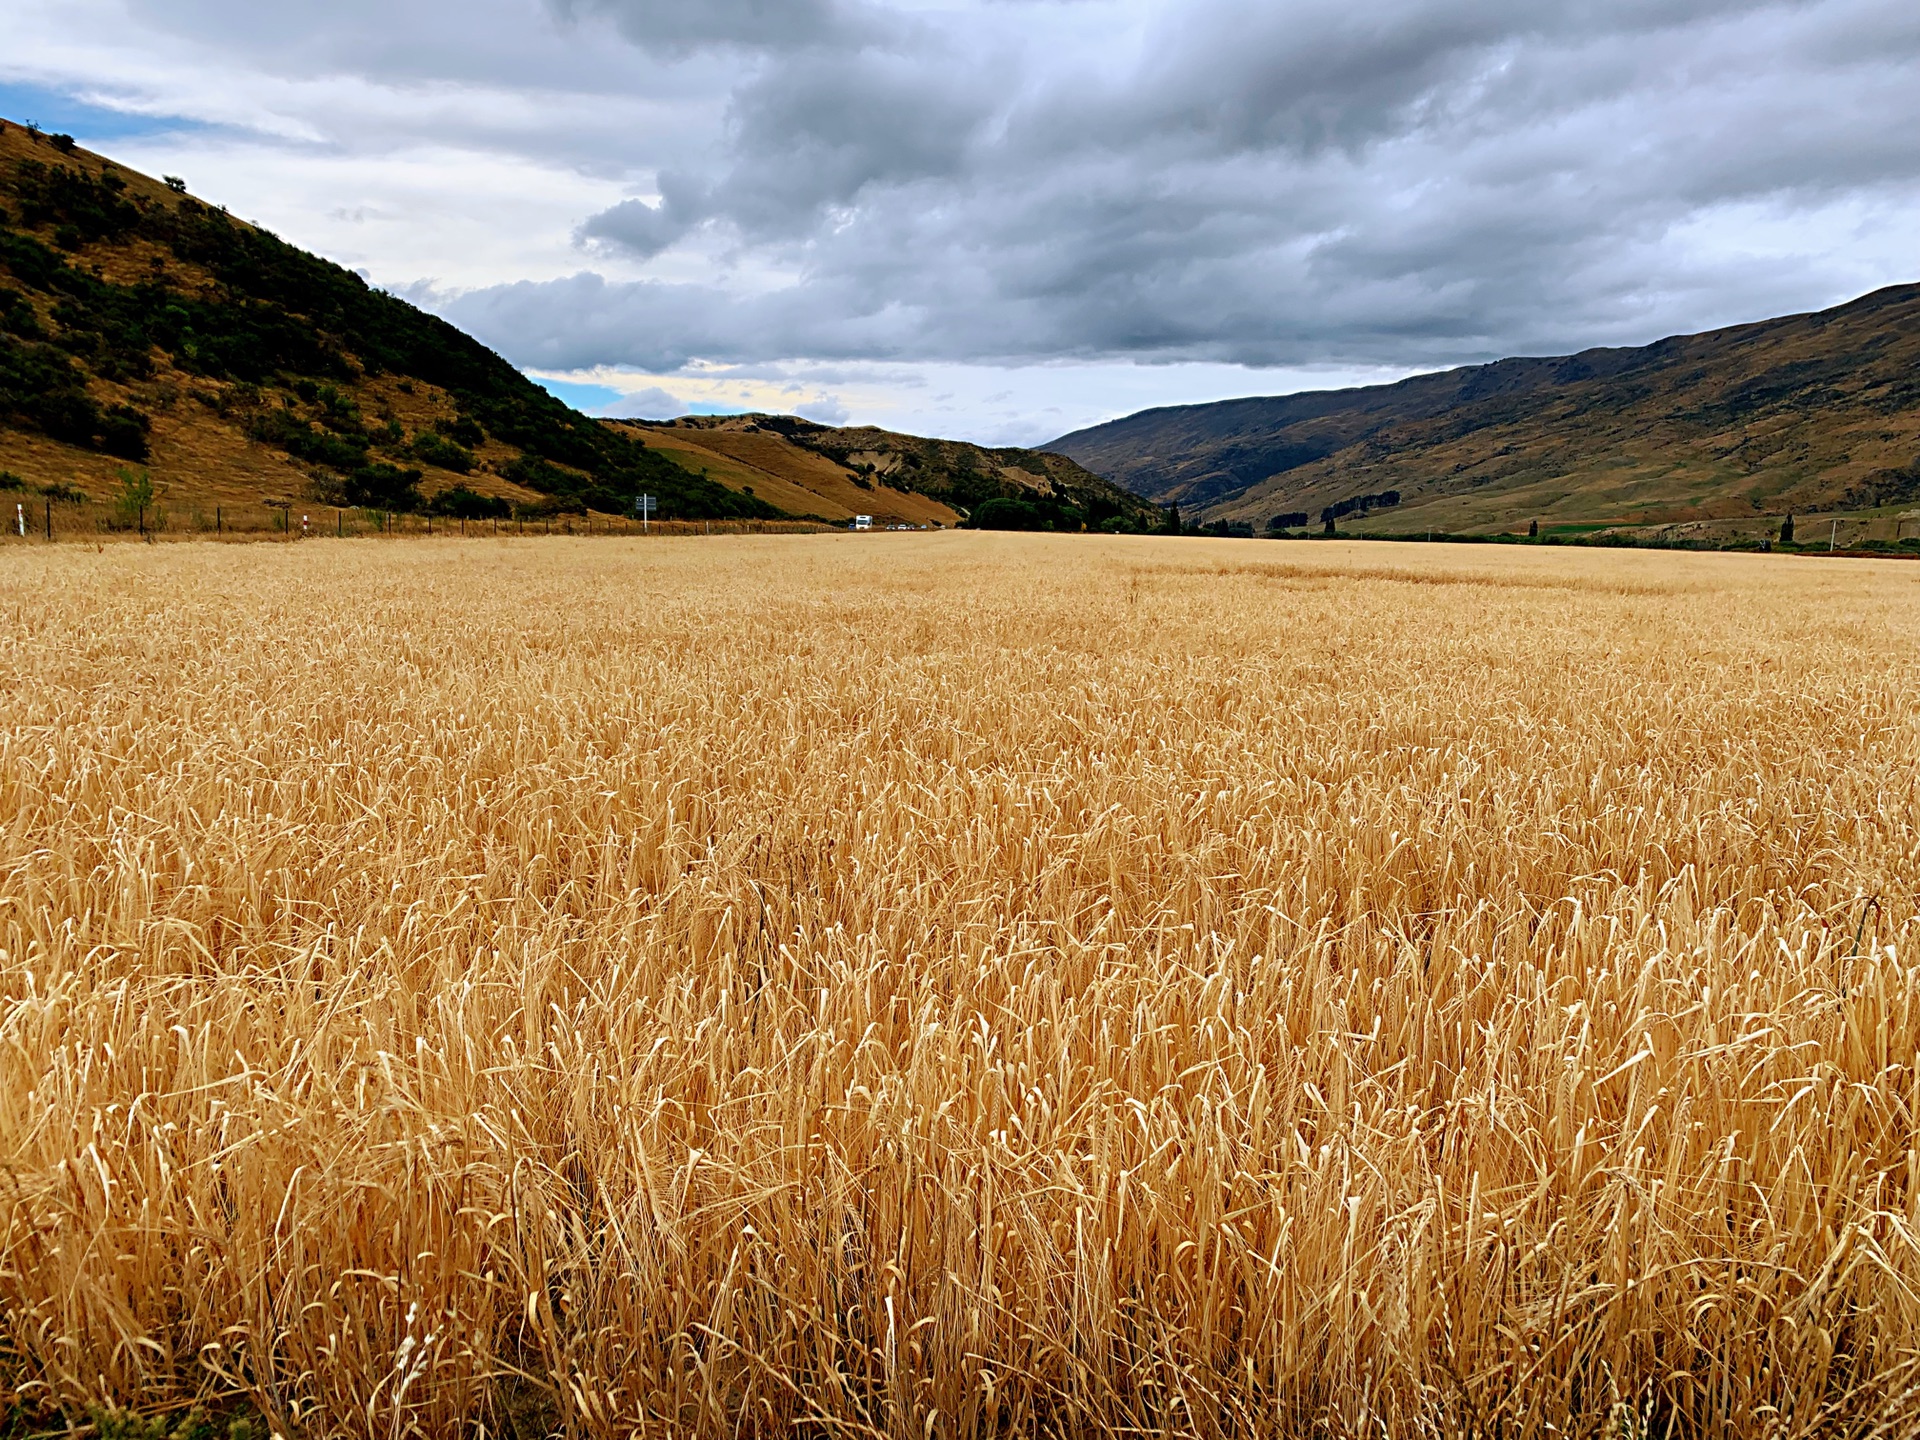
<point>961,986</point>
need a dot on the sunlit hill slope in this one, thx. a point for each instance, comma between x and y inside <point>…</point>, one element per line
<point>139,326</point>
<point>836,472</point>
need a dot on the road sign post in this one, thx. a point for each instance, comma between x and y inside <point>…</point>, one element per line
<point>644,508</point>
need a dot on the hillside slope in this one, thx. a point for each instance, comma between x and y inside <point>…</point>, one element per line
<point>141,327</point>
<point>836,471</point>
<point>1806,413</point>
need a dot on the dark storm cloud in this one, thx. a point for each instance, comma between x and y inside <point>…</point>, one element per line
<point>1403,182</point>
<point>679,26</point>
<point>1271,182</point>
<point>638,227</point>
<point>500,78</point>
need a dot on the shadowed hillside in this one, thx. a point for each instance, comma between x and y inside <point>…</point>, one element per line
<point>1808,413</point>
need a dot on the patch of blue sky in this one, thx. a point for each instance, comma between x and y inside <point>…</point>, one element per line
<point>578,393</point>
<point>62,112</point>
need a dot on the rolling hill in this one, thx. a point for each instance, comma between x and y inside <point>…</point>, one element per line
<point>1732,428</point>
<point>140,326</point>
<point>836,472</point>
<point>143,329</point>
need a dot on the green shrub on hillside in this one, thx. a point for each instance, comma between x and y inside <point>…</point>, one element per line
<point>461,503</point>
<point>381,486</point>
<point>462,430</point>
<point>432,449</point>
<point>1003,514</point>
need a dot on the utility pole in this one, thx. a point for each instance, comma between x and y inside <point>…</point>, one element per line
<point>1834,538</point>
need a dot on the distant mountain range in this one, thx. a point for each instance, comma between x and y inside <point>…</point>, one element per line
<point>1813,412</point>
<point>142,327</point>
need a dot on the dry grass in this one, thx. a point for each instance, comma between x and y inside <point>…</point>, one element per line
<point>957,986</point>
<point>789,476</point>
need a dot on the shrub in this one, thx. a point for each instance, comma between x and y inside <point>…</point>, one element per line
<point>123,432</point>
<point>1003,514</point>
<point>437,450</point>
<point>381,486</point>
<point>465,504</point>
<point>66,414</point>
<point>1359,504</point>
<point>287,431</point>
<point>135,499</point>
<point>462,430</point>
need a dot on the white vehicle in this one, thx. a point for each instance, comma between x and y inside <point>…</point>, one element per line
<point>862,522</point>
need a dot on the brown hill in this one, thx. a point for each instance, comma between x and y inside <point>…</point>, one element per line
<point>1730,428</point>
<point>145,332</point>
<point>836,472</point>
<point>142,330</point>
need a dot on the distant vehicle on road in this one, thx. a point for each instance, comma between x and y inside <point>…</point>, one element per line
<point>861,522</point>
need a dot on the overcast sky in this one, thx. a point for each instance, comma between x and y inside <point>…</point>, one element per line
<point>1005,219</point>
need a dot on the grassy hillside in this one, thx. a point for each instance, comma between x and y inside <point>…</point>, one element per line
<point>1808,413</point>
<point>142,328</point>
<point>835,472</point>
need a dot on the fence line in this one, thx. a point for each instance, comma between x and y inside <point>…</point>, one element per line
<point>46,520</point>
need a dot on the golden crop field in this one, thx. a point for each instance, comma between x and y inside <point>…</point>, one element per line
<point>960,986</point>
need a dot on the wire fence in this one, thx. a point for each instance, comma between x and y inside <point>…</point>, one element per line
<point>34,518</point>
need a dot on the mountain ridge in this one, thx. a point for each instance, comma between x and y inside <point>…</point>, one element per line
<point>1815,411</point>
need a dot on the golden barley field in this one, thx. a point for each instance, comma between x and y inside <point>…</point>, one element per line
<point>960,986</point>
